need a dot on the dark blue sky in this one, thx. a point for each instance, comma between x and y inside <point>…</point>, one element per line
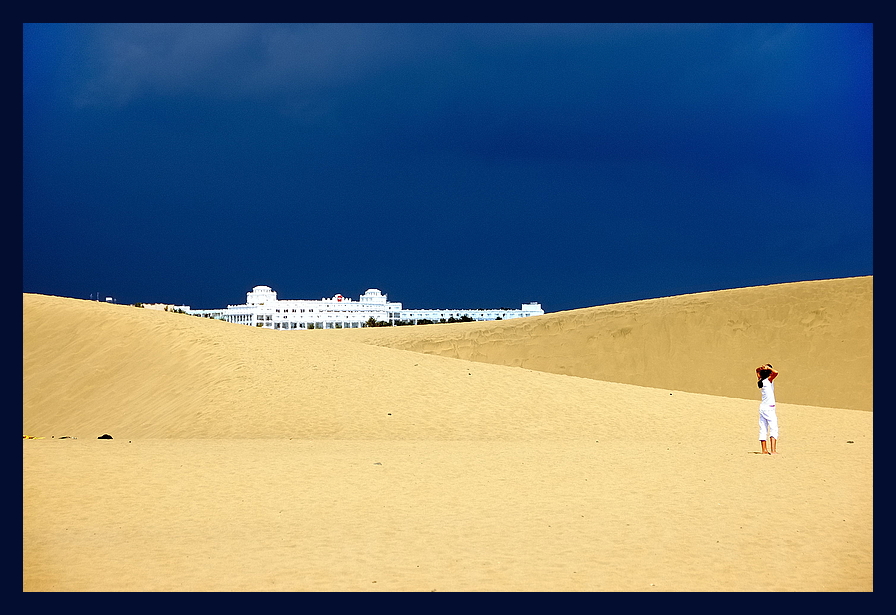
<point>449,165</point>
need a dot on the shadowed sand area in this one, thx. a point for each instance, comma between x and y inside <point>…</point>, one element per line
<point>555,453</point>
<point>702,343</point>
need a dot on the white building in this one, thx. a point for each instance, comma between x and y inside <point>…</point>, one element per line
<point>263,309</point>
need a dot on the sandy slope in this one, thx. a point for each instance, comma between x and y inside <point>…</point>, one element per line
<point>246,459</point>
<point>819,333</point>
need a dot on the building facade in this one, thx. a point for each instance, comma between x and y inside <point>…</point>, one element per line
<point>264,309</point>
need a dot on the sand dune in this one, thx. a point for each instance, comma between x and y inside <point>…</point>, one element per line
<point>249,459</point>
<point>819,333</point>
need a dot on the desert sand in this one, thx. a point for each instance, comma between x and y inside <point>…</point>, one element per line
<point>611,448</point>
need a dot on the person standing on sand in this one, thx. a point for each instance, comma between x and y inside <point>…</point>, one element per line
<point>768,419</point>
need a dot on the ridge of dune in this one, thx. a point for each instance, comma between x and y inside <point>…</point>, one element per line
<point>819,334</point>
<point>90,368</point>
<point>159,374</point>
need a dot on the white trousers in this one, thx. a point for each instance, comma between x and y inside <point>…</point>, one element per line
<point>768,422</point>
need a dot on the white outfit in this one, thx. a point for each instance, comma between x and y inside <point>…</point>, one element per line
<point>768,420</point>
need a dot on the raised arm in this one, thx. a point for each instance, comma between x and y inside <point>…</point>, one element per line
<point>772,376</point>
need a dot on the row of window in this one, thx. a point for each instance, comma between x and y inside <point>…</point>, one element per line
<point>317,325</point>
<point>341,315</point>
<point>393,315</point>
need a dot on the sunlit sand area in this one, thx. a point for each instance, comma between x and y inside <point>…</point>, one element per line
<point>611,448</point>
